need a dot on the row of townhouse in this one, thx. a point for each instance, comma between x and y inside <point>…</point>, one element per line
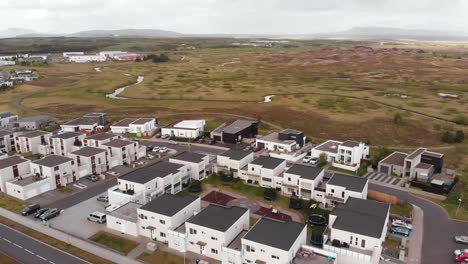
<point>220,233</point>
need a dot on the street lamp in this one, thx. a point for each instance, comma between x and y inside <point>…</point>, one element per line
<point>459,203</point>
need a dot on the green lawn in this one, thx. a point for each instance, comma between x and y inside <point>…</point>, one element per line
<point>405,209</point>
<point>161,257</point>
<point>212,125</point>
<point>65,190</point>
<point>114,242</point>
<point>11,204</point>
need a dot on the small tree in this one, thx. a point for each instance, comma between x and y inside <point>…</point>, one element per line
<point>447,137</point>
<point>459,136</point>
<point>398,119</point>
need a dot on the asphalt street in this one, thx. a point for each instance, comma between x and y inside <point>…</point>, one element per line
<point>30,251</point>
<point>439,230</point>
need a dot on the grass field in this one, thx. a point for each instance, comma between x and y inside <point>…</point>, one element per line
<point>161,257</point>
<point>114,242</point>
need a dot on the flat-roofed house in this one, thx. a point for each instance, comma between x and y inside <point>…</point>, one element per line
<point>90,160</point>
<point>301,180</point>
<point>134,125</point>
<point>233,161</point>
<point>287,140</point>
<point>87,123</point>
<point>344,155</point>
<point>197,163</point>
<point>340,187</point>
<point>7,141</point>
<point>264,171</point>
<point>236,131</point>
<point>59,169</point>
<point>64,143</point>
<point>32,141</point>
<point>13,167</point>
<point>123,152</point>
<point>97,140</point>
<point>32,123</point>
<point>7,118</point>
<point>184,129</point>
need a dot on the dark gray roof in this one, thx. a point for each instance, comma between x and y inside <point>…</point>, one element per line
<point>124,122</point>
<point>416,153</point>
<point>352,183</point>
<point>268,162</point>
<point>238,126</point>
<point>88,151</point>
<point>101,136</point>
<point>396,158</point>
<point>5,133</point>
<point>118,143</point>
<point>37,119</point>
<point>52,160</point>
<point>5,114</point>
<point>158,170</point>
<point>67,135</point>
<point>11,161</point>
<point>83,121</point>
<point>364,217</point>
<point>218,217</point>
<point>189,157</point>
<point>169,204</point>
<point>307,172</point>
<point>34,134</point>
<point>235,154</point>
<point>350,143</point>
<point>291,131</point>
<point>281,235</point>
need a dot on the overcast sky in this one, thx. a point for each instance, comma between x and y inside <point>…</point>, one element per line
<point>233,16</point>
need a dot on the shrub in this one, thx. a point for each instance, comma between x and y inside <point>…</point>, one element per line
<point>398,119</point>
<point>459,136</point>
<point>447,137</point>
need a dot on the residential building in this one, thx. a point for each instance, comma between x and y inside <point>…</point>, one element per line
<point>197,163</point>
<point>59,169</point>
<point>145,184</point>
<point>11,168</point>
<point>340,187</point>
<point>87,123</point>
<point>32,123</point>
<point>287,140</point>
<point>215,227</point>
<point>184,129</point>
<point>64,143</point>
<point>134,125</point>
<point>33,142</point>
<point>236,131</point>
<point>362,226</point>
<point>128,57</point>
<point>7,118</point>
<point>264,171</point>
<point>233,161</point>
<point>124,218</point>
<point>421,164</point>
<point>71,53</point>
<point>91,160</point>
<point>165,213</point>
<point>302,180</point>
<point>271,241</point>
<point>345,155</point>
<point>124,151</point>
<point>99,139</point>
<point>84,58</point>
<point>7,141</point>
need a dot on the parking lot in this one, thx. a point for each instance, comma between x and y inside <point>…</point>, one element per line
<point>384,178</point>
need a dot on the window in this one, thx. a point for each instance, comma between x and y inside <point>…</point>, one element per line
<point>162,234</point>
<point>363,243</point>
<point>332,190</point>
<point>162,221</point>
<point>56,168</point>
<point>214,238</point>
<point>351,240</point>
<point>342,194</point>
<point>274,257</point>
<point>289,178</point>
<point>355,243</point>
<point>214,251</point>
<point>192,231</point>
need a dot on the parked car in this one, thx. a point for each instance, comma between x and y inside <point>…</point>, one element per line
<point>165,136</point>
<point>49,214</point>
<point>201,141</point>
<point>401,223</point>
<point>93,178</point>
<point>103,198</point>
<point>156,149</point>
<point>461,239</point>
<point>163,150</point>
<point>461,259</point>
<point>461,256</point>
<point>30,209</point>
<point>172,142</point>
<point>40,212</point>
<point>97,217</point>
<point>306,159</point>
<point>313,161</point>
<point>149,147</point>
<point>149,156</point>
<point>398,230</point>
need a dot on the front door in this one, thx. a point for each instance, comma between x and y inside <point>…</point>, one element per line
<point>15,171</point>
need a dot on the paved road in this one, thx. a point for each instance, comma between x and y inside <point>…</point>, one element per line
<point>30,251</point>
<point>439,230</point>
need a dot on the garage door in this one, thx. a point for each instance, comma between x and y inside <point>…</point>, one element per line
<point>384,169</point>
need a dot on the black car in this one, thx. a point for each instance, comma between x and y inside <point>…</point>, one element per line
<point>30,209</point>
<point>49,214</point>
<point>40,212</point>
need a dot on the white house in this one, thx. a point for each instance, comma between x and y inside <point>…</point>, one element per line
<point>13,167</point>
<point>84,58</point>
<point>184,129</point>
<point>123,151</point>
<point>71,53</point>
<point>64,143</point>
<point>59,169</point>
<point>89,122</point>
<point>287,140</point>
<point>197,163</point>
<point>362,225</point>
<point>233,161</point>
<point>134,125</point>
<point>145,184</point>
<point>7,141</point>
<point>32,141</point>
<point>214,228</point>
<point>123,219</point>
<point>97,140</point>
<point>301,180</point>
<point>274,242</point>
<point>340,187</point>
<point>264,171</point>
<point>166,213</point>
<point>90,160</point>
<point>344,155</point>
<point>7,118</point>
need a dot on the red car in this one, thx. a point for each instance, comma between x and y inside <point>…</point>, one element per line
<point>461,256</point>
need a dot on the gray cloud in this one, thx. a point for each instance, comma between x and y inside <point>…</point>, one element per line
<point>233,16</point>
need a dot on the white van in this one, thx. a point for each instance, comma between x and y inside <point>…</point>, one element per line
<point>97,217</point>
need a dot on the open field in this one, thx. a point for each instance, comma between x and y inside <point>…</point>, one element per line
<point>114,242</point>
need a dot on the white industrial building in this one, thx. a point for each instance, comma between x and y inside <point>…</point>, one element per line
<point>184,129</point>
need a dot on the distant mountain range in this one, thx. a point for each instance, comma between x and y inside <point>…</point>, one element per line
<point>354,33</point>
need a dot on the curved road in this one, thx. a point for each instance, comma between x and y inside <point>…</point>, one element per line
<point>439,229</point>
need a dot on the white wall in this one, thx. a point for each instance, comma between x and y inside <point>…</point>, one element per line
<point>121,225</point>
<point>29,191</point>
<point>6,174</point>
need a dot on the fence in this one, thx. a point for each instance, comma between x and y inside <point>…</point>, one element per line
<point>382,197</point>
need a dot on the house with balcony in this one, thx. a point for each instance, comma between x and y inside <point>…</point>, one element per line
<point>64,143</point>
<point>341,187</point>
<point>99,139</point>
<point>123,152</point>
<point>139,126</point>
<point>197,163</point>
<point>165,213</point>
<point>232,161</point>
<point>271,241</point>
<point>7,141</point>
<point>34,142</point>
<point>184,129</point>
<point>345,155</point>
<point>359,227</point>
<point>264,171</point>
<point>214,228</point>
<point>145,184</point>
<point>90,160</point>
<point>289,144</point>
<point>59,169</point>
<point>302,180</point>
<point>11,168</point>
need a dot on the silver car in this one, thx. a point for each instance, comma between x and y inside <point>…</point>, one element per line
<point>461,239</point>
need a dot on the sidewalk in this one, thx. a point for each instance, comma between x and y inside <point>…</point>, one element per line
<point>77,242</point>
<point>412,191</point>
<point>416,238</point>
